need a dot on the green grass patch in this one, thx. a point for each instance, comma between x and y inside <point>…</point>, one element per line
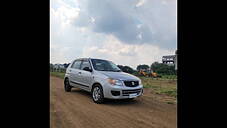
<point>58,74</point>
<point>160,86</point>
<point>172,93</point>
<point>169,76</point>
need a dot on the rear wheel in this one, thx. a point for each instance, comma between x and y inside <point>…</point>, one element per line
<point>67,86</point>
<point>97,94</point>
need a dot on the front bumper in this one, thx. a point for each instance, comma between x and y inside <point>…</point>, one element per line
<point>125,92</point>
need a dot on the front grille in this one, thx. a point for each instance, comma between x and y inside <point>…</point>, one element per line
<point>131,83</point>
<point>127,92</point>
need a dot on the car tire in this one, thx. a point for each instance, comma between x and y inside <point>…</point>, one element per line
<point>97,94</point>
<point>67,86</point>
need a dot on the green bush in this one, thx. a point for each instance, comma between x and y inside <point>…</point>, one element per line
<point>58,74</point>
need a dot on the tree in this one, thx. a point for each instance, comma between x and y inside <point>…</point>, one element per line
<point>126,69</point>
<point>66,65</point>
<point>120,66</point>
<point>161,68</point>
<point>143,66</point>
<point>51,67</point>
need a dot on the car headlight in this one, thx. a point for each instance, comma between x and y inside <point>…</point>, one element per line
<point>140,82</point>
<point>115,82</point>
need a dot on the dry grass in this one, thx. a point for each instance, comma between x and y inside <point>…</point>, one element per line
<point>166,87</point>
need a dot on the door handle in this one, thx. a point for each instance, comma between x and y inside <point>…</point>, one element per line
<point>79,73</point>
<point>70,70</point>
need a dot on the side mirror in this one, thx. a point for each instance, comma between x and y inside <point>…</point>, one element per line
<point>87,69</point>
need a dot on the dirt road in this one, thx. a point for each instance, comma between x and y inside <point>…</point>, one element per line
<point>77,110</point>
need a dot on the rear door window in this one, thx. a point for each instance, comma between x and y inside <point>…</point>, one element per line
<point>76,64</point>
<point>85,64</point>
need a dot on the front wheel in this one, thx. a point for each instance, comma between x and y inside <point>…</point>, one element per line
<point>97,94</point>
<point>67,86</point>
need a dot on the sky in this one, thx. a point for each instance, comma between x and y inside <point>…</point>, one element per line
<point>127,32</point>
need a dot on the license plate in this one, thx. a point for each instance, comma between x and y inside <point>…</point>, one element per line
<point>132,95</point>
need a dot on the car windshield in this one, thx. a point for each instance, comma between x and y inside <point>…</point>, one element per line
<point>104,65</point>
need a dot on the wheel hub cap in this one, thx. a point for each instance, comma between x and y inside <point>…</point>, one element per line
<point>96,93</point>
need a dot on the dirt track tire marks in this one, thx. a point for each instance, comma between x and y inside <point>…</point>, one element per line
<point>77,110</point>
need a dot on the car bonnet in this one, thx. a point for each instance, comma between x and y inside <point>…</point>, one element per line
<point>119,75</point>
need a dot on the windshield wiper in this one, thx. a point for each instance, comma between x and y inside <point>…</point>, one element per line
<point>102,70</point>
<point>111,70</point>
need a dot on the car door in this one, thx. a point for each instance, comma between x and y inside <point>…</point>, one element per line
<point>86,76</point>
<point>75,73</point>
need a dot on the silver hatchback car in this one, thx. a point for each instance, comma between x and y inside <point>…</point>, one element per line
<point>103,79</point>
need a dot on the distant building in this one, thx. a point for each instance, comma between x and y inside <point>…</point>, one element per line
<point>170,60</point>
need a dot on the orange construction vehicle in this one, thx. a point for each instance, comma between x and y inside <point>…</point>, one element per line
<point>148,73</point>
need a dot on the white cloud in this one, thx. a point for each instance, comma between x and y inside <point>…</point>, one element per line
<point>70,41</point>
<point>140,3</point>
<point>126,54</point>
<point>164,2</point>
<point>139,26</point>
<point>65,37</point>
<point>92,19</point>
<point>139,36</point>
<point>65,14</point>
<point>58,53</point>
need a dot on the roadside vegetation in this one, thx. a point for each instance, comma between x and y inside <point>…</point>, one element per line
<point>58,74</point>
<point>158,86</point>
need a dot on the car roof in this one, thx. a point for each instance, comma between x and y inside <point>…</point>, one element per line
<point>82,59</point>
<point>88,58</point>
